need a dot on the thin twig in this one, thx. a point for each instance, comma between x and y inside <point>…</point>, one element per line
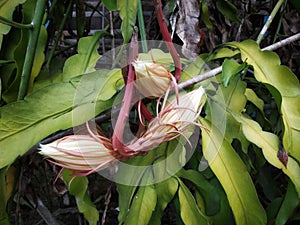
<point>269,21</point>
<point>218,70</point>
<point>282,43</point>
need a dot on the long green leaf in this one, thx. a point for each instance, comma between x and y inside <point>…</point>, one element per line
<point>290,203</point>
<point>269,143</point>
<point>7,8</point>
<point>144,202</point>
<point>228,10</point>
<point>189,211</point>
<point>234,177</point>
<point>207,191</point>
<point>267,69</point>
<point>78,187</point>
<point>222,102</point>
<point>55,107</point>
<point>165,191</point>
<point>127,10</point>
<point>128,177</point>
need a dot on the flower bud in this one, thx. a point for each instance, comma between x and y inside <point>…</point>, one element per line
<point>152,79</point>
<point>82,154</point>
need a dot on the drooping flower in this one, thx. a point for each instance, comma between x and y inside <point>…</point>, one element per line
<point>83,154</point>
<point>152,79</point>
<point>173,120</point>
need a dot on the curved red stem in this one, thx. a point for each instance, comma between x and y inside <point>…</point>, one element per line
<point>167,38</point>
<point>117,138</point>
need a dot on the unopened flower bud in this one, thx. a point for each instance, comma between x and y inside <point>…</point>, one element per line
<point>82,154</point>
<point>152,79</point>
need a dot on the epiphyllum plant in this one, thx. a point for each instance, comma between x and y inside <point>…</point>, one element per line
<point>85,154</point>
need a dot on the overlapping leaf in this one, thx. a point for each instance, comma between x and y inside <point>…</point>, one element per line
<point>267,69</point>
<point>189,211</point>
<point>10,94</point>
<point>144,202</point>
<point>7,8</point>
<point>269,143</point>
<point>55,107</point>
<point>234,177</point>
<point>78,187</point>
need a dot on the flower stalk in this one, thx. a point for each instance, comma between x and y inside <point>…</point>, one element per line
<point>167,38</point>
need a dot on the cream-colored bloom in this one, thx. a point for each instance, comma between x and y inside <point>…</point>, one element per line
<point>152,79</point>
<point>173,120</point>
<point>83,154</point>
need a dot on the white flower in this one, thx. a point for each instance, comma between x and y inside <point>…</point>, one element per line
<point>83,154</point>
<point>173,120</point>
<point>152,79</point>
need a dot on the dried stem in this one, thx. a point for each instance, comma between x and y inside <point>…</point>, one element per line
<point>167,38</point>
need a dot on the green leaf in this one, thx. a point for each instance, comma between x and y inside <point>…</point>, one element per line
<point>234,177</point>
<point>20,51</point>
<point>230,68</point>
<point>111,5</point>
<point>267,69</point>
<point>8,71</point>
<point>252,97</point>
<point>53,108</point>
<point>39,57</point>
<point>205,16</point>
<point>143,203</point>
<point>228,10</point>
<point>193,69</point>
<point>189,211</point>
<point>224,216</point>
<point>207,191</point>
<point>86,59</point>
<point>158,56</point>
<point>223,102</point>
<point>7,8</point>
<point>128,178</point>
<point>222,53</point>
<point>128,11</point>
<point>289,205</point>
<point>78,187</point>
<point>269,143</point>
<point>165,191</point>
